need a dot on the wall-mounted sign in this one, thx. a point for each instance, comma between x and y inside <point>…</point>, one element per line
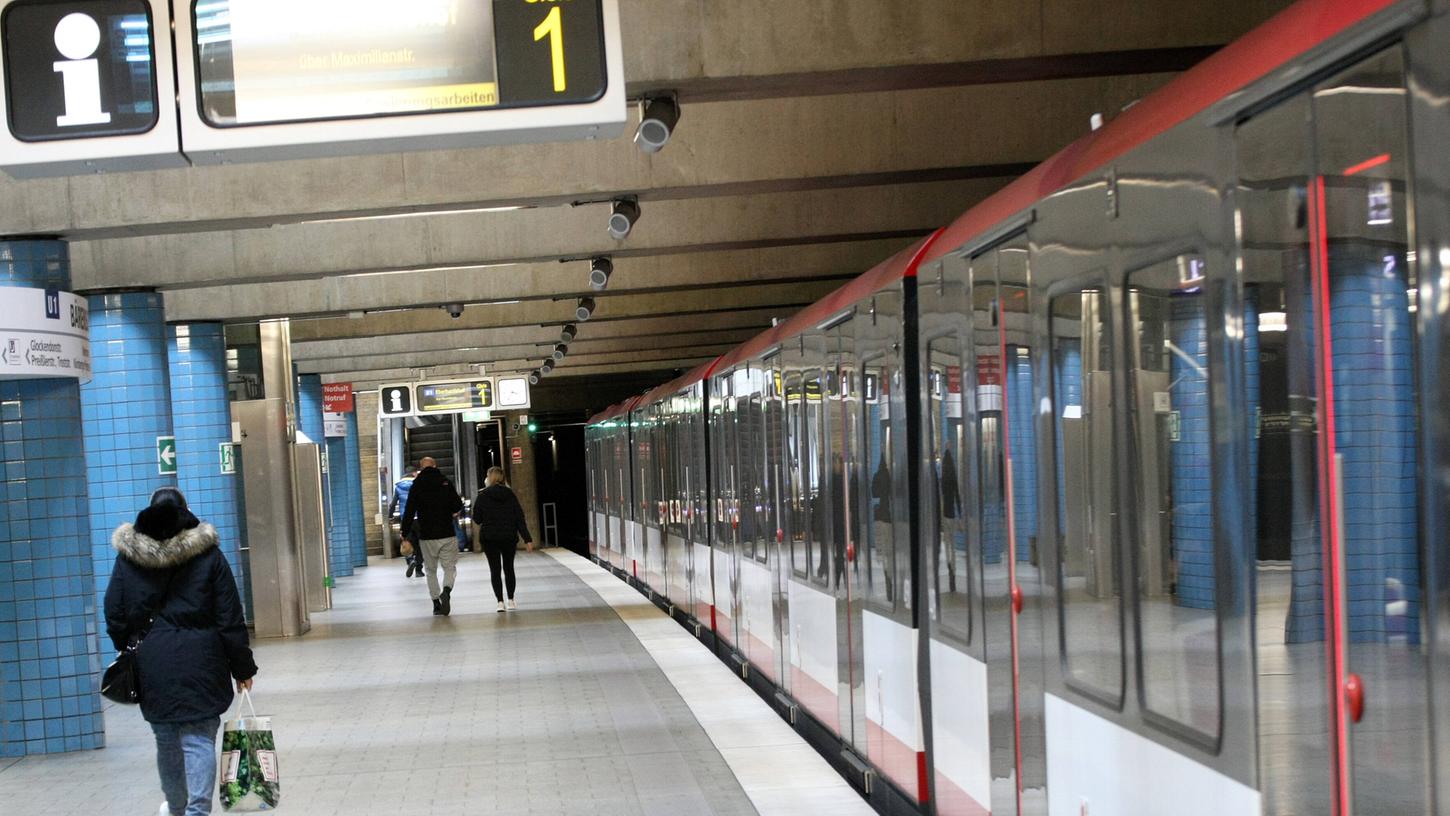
<point>513,393</point>
<point>82,93</point>
<point>228,458</point>
<point>452,397</point>
<point>166,455</point>
<point>273,79</point>
<point>44,333</point>
<point>337,398</point>
<point>518,456</point>
<point>334,425</point>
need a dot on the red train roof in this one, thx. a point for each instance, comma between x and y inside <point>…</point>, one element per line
<point>901,265</point>
<point>614,411</point>
<point>1290,34</point>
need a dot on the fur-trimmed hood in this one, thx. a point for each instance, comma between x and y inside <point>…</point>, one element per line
<point>146,551</point>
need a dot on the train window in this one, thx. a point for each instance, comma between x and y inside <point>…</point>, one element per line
<point>799,538</point>
<point>824,487</point>
<point>1178,633</point>
<point>1090,596</point>
<point>945,444</point>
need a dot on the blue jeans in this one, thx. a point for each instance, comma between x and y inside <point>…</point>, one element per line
<point>186,758</point>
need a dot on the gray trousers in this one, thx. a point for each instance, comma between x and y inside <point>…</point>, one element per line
<point>436,551</point>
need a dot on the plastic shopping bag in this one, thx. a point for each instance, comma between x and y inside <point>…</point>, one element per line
<point>248,780</point>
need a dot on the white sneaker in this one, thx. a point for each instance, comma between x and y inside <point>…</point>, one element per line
<point>500,606</point>
<point>512,606</point>
<point>165,810</point>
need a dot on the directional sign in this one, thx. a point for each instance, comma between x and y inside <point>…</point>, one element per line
<point>166,455</point>
<point>453,397</point>
<point>44,333</point>
<point>228,458</point>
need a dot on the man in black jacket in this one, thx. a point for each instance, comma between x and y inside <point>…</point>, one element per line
<point>432,505</point>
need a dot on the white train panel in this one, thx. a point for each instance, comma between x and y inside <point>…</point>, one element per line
<point>814,655</point>
<point>960,722</point>
<point>701,591</point>
<point>893,712</point>
<point>1097,768</point>
<point>758,616</point>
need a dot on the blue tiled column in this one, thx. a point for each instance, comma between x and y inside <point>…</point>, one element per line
<point>202,417</point>
<point>339,534</point>
<point>355,494</point>
<point>126,407</point>
<point>49,648</point>
<point>1189,455</point>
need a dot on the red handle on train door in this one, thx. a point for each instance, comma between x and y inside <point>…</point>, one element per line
<point>1354,696</point>
<point>1016,599</point>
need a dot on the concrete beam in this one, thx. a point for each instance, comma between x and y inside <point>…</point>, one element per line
<point>371,380</point>
<point>466,242</point>
<point>784,298</point>
<point>632,276</point>
<point>720,149</point>
<point>642,331</point>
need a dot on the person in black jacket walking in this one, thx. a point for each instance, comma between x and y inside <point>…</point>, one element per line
<point>170,577</point>
<point>432,506</point>
<point>500,521</point>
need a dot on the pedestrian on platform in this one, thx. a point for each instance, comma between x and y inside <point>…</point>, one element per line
<point>172,590</point>
<point>500,521</point>
<point>400,501</point>
<point>428,516</point>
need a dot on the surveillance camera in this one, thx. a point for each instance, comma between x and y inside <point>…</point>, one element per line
<point>547,366</point>
<point>657,123</point>
<point>455,310</point>
<point>561,351</point>
<point>622,219</point>
<point>534,377</point>
<point>599,271</point>
<point>568,333</point>
<point>585,309</point>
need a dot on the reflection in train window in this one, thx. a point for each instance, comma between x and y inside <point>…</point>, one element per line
<point>1177,624</point>
<point>801,528</point>
<point>876,462</point>
<point>1088,574</point>
<point>945,446</point>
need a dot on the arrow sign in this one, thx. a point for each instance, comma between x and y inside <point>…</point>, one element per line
<point>166,455</point>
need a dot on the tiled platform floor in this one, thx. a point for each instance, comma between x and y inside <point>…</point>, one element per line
<point>559,708</point>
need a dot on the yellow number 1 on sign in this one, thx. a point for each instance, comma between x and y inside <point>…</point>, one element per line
<point>553,28</point>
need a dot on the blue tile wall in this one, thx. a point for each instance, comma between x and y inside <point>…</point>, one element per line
<point>126,407</point>
<point>339,554</point>
<point>1069,394</point>
<point>1190,463</point>
<point>201,415</point>
<point>1305,620</point>
<point>358,521</point>
<point>49,646</point>
<point>1252,386</point>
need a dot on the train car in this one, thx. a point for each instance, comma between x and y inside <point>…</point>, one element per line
<point>611,486</point>
<point>1123,494</point>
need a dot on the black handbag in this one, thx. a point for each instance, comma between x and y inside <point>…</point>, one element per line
<point>121,682</point>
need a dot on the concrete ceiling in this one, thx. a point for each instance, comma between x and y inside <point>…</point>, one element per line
<point>816,140</point>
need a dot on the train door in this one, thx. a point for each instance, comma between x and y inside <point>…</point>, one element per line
<point>1006,506</point>
<point>702,591</point>
<point>1331,343</point>
<point>777,522</point>
<point>757,583</point>
<point>724,453</point>
<point>842,395</point>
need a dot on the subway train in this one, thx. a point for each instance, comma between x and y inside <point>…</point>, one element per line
<point>1123,494</point>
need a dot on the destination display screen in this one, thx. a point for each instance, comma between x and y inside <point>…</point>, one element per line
<point>452,398</point>
<point>278,61</point>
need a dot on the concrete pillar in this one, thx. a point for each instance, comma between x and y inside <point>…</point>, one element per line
<point>127,413</point>
<point>309,422</point>
<point>521,475</point>
<point>49,652</point>
<point>373,502</point>
<point>202,419</point>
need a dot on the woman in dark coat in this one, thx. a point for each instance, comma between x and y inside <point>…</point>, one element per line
<point>170,572</point>
<point>500,521</point>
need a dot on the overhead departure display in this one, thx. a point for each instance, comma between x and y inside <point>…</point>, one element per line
<point>263,62</point>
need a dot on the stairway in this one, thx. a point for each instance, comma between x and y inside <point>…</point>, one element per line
<point>433,437</point>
